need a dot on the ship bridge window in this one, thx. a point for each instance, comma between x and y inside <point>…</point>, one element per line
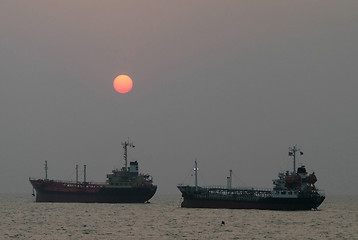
<point>283,192</point>
<point>289,193</point>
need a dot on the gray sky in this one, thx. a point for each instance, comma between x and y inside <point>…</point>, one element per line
<point>232,83</point>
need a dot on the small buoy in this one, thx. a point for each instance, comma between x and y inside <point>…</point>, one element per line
<point>222,223</point>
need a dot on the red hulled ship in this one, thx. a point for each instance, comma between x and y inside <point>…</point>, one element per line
<point>126,185</point>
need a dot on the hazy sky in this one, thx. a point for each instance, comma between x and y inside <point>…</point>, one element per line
<point>230,83</point>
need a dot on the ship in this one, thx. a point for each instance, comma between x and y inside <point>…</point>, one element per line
<point>294,190</point>
<point>126,185</point>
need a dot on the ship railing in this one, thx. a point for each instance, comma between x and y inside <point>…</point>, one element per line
<point>240,188</point>
<point>218,187</point>
<point>69,181</point>
<point>238,191</point>
<point>81,182</point>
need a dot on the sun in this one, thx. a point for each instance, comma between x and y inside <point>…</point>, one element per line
<point>123,83</point>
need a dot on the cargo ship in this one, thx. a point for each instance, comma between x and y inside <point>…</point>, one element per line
<point>292,191</point>
<point>126,185</point>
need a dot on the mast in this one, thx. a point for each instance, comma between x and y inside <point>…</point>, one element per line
<point>125,145</point>
<point>196,175</point>
<point>229,180</point>
<point>76,173</point>
<point>84,173</point>
<point>292,152</point>
<point>46,168</point>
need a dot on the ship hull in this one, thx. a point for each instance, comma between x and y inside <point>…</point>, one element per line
<point>50,192</point>
<point>246,199</point>
<point>262,204</point>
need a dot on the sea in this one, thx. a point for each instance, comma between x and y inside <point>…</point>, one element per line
<point>163,218</point>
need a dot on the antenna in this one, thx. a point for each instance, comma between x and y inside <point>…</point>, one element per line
<point>84,173</point>
<point>125,145</point>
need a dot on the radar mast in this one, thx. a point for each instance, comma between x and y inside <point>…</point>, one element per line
<point>292,152</point>
<point>125,145</point>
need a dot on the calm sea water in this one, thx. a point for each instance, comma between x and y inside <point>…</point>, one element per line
<point>22,218</point>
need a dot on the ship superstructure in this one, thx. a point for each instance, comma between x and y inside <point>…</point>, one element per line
<point>291,191</point>
<point>126,185</point>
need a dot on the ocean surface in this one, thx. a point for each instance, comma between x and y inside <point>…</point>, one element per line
<point>22,218</point>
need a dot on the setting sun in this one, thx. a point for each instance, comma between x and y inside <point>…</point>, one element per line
<point>123,83</point>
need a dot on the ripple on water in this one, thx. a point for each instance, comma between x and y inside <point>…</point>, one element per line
<point>21,218</point>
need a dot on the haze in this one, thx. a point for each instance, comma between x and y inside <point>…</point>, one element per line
<point>232,84</point>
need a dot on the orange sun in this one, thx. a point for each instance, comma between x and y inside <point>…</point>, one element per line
<point>123,83</point>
